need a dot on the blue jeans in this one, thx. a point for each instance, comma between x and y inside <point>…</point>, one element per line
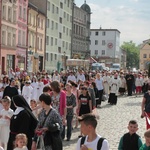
<point>69,127</point>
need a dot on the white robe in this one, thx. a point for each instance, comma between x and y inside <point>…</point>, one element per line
<point>106,81</point>
<point>27,93</point>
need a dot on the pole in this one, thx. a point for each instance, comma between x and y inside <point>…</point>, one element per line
<point>0,35</point>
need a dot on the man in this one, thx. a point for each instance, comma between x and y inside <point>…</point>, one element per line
<point>71,77</point>
<point>92,139</point>
<point>130,80</point>
<point>80,76</point>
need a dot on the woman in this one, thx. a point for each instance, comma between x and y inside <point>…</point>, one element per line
<point>59,101</point>
<point>23,121</point>
<point>50,125</point>
<point>71,103</point>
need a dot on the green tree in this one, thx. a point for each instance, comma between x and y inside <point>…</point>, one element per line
<point>132,54</point>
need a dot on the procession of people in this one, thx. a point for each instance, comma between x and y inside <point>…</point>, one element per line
<point>41,105</point>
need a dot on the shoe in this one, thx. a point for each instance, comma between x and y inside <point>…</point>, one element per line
<point>67,139</point>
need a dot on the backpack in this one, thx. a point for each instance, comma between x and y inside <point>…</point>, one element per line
<point>99,144</point>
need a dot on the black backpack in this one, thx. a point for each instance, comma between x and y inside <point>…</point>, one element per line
<point>99,144</point>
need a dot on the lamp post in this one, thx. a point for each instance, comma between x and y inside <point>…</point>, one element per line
<point>29,58</point>
<point>64,60</point>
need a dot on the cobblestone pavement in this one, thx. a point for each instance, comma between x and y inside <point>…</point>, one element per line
<point>113,121</point>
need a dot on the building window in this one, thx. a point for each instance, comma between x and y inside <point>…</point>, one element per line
<point>63,43</point>
<point>9,14</point>
<point>52,26</point>
<point>61,5</point>
<point>9,39</point>
<point>14,16</point>
<point>60,35</point>
<point>38,43</point>
<point>19,37</point>
<point>96,33</point>
<point>63,29</point>
<point>24,13</point>
<point>42,23</point>
<point>53,8</point>
<point>96,42</point>
<point>64,14</point>
<point>51,41</point>
<point>56,25</point>
<point>96,52</point>
<point>4,12</point>
<point>67,17</point>
<point>14,40</point>
<point>60,20</point>
<point>47,57</point>
<point>38,20</point>
<point>55,41</point>
<point>103,52</point>
<point>103,33</point>
<point>47,40</point>
<point>55,56</point>
<point>48,6</point>
<point>103,42</point>
<point>57,10</point>
<point>47,23</point>
<point>51,57</point>
<point>23,38</point>
<point>144,55</point>
<point>41,44</point>
<point>3,37</point>
<point>20,11</point>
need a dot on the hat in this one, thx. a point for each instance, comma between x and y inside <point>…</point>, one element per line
<point>86,117</point>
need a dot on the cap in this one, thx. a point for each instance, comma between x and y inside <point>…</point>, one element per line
<point>86,117</point>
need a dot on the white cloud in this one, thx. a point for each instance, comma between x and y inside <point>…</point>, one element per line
<point>124,19</point>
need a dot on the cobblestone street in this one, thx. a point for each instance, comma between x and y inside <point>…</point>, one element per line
<point>114,120</point>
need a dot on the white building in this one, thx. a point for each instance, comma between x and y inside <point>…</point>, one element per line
<point>58,33</point>
<point>105,45</point>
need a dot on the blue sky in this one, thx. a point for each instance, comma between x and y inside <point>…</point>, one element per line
<point>130,17</point>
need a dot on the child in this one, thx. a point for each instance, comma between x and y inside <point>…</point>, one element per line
<point>21,142</point>
<point>5,116</point>
<point>130,140</point>
<point>146,146</point>
<point>92,140</point>
<point>33,105</point>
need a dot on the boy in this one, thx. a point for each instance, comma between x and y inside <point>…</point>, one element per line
<point>130,140</point>
<point>88,128</point>
<point>146,146</point>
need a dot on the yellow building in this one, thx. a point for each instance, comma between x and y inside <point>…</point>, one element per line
<point>36,39</point>
<point>145,55</point>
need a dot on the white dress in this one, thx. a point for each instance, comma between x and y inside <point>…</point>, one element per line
<point>27,93</point>
<point>24,148</point>
<point>4,125</point>
<point>34,92</point>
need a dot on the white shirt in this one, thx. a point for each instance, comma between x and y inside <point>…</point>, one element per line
<point>71,78</point>
<point>81,77</point>
<point>93,145</point>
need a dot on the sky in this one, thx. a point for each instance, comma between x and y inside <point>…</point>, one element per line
<point>130,17</point>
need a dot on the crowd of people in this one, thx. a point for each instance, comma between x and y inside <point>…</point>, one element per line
<point>36,108</point>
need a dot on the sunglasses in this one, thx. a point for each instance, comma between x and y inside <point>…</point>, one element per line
<point>83,88</point>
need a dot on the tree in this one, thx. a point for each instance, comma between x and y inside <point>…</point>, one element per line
<point>132,52</point>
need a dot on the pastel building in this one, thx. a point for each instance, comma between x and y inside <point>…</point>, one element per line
<point>8,34</point>
<point>21,34</point>
<point>58,33</point>
<point>36,38</point>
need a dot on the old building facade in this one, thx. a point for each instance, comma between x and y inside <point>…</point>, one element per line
<point>81,31</point>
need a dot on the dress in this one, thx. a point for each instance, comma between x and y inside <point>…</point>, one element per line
<point>85,107</point>
<point>24,148</point>
<point>4,125</point>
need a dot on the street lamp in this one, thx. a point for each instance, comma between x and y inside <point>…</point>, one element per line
<point>65,60</point>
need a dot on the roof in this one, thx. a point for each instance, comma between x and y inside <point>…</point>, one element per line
<point>86,7</point>
<point>104,30</point>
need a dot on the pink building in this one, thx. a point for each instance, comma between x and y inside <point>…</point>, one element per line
<point>21,33</point>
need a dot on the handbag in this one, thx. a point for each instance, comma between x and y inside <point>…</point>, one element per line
<point>40,143</point>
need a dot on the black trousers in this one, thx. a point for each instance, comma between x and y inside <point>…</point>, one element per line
<point>100,94</point>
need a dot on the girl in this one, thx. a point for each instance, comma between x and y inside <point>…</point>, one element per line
<point>5,117</point>
<point>21,142</point>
